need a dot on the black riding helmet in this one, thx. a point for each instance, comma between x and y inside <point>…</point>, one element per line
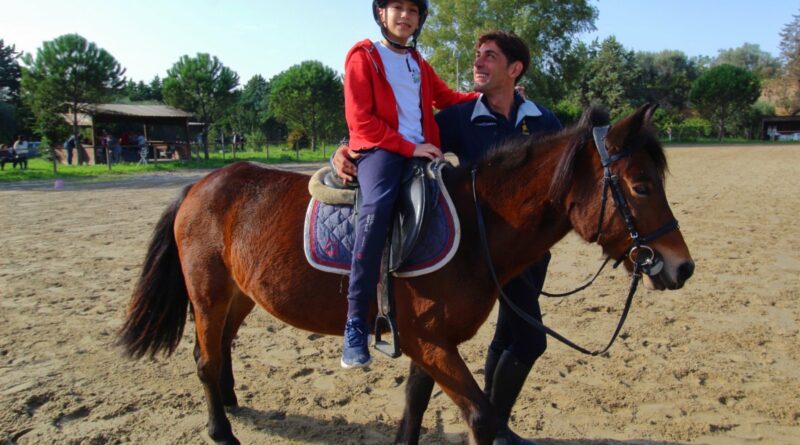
<point>423,14</point>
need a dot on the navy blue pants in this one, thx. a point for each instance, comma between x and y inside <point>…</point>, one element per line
<point>513,333</point>
<point>379,175</point>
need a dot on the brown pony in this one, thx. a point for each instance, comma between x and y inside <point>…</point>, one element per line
<point>234,239</point>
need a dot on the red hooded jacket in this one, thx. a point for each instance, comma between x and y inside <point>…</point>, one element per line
<point>371,108</point>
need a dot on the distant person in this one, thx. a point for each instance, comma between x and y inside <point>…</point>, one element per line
<point>20,153</point>
<point>141,142</point>
<point>115,148</point>
<point>6,156</point>
<point>104,144</point>
<point>69,145</point>
<point>236,140</point>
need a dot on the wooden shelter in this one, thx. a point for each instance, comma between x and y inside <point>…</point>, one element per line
<point>781,128</point>
<point>145,117</point>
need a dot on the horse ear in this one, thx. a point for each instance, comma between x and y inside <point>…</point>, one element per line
<point>649,113</point>
<point>631,125</point>
<point>639,118</point>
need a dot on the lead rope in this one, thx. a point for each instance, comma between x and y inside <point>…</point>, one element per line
<point>635,277</point>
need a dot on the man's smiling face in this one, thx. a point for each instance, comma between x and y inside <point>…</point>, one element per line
<point>491,69</point>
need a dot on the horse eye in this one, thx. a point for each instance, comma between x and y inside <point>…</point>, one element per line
<point>641,189</point>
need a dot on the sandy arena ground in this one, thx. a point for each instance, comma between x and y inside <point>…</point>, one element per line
<point>717,362</point>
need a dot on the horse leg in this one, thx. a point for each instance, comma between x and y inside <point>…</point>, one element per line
<point>240,308</point>
<point>209,318</point>
<point>419,387</point>
<point>443,363</point>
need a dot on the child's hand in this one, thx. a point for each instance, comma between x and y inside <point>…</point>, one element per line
<point>343,161</point>
<point>429,151</point>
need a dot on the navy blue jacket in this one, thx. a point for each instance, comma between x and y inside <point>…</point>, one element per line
<point>471,129</point>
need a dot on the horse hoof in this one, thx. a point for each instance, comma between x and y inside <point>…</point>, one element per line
<point>226,441</point>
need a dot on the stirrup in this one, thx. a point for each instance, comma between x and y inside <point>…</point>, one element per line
<point>386,312</point>
<point>391,349</point>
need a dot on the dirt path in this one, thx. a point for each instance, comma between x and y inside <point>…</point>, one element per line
<point>717,362</point>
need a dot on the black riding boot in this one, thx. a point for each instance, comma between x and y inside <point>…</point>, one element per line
<point>492,357</point>
<point>507,381</point>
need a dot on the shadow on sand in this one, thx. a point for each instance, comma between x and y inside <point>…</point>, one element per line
<point>338,430</point>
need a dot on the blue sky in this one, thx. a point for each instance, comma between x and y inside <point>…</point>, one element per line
<point>268,36</point>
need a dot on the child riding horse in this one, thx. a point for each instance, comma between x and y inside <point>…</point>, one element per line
<point>234,240</point>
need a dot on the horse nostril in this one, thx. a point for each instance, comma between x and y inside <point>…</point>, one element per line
<point>685,271</point>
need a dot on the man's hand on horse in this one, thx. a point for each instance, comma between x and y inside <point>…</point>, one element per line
<point>343,163</point>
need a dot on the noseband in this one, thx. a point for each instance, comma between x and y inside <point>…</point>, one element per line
<point>640,254</point>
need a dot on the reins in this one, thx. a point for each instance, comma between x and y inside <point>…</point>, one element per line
<point>649,263</point>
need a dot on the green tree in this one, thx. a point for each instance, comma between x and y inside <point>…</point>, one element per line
<point>692,128</point>
<point>568,111</point>
<point>549,27</point>
<point>254,104</point>
<point>8,122</point>
<point>723,92</point>
<point>790,55</point>
<point>666,78</point>
<point>309,97</point>
<point>137,91</point>
<point>68,73</point>
<point>202,85</point>
<point>750,57</point>
<point>9,91</point>
<point>249,113</point>
<point>156,89</point>
<point>144,92</point>
<point>610,77</point>
<point>9,73</point>
<point>260,119</point>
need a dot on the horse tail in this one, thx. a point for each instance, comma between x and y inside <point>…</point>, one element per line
<point>157,309</point>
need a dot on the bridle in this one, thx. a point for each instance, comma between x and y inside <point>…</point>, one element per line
<point>640,253</point>
<point>643,257</point>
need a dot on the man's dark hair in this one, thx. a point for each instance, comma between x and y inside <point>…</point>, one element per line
<point>512,47</point>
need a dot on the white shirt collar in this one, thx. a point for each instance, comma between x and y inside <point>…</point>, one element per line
<point>527,108</point>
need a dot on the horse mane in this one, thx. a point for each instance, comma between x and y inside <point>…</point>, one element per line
<point>515,153</point>
<point>582,132</point>
<point>511,155</point>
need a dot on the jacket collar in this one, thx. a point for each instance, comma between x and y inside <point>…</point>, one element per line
<point>526,109</point>
<point>375,57</point>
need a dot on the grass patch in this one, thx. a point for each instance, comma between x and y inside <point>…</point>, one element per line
<point>40,168</point>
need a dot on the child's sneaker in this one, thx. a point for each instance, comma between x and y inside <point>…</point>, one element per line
<point>356,345</point>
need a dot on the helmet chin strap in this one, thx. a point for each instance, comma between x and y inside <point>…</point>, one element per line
<point>397,45</point>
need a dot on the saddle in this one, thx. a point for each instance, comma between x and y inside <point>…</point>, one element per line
<point>415,204</point>
<point>423,237</point>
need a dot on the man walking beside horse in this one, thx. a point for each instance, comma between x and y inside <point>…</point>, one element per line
<point>470,130</point>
